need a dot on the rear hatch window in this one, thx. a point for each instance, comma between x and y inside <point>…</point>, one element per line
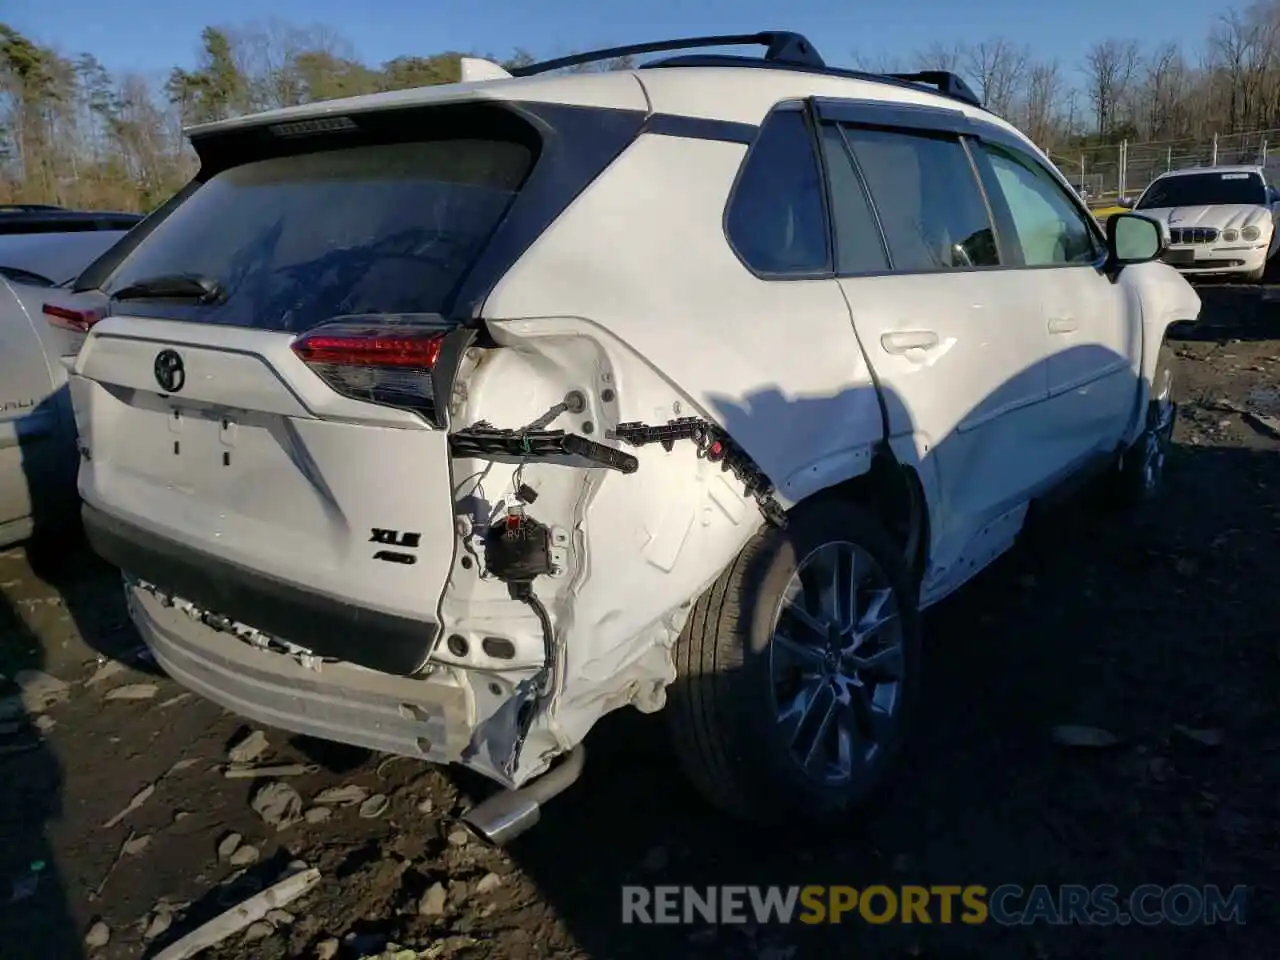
<point>291,241</point>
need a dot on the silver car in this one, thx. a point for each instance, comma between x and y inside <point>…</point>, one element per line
<point>42,250</point>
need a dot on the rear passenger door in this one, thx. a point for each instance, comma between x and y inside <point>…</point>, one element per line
<point>959,355</point>
<point>1093,323</point>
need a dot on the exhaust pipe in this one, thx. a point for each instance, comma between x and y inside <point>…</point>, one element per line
<point>504,816</point>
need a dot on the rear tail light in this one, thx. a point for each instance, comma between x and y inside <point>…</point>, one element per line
<point>379,359</point>
<point>69,318</point>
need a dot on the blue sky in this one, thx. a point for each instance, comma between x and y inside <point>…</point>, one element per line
<point>150,36</point>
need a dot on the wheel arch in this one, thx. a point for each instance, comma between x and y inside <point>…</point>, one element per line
<point>894,493</point>
<point>1167,303</point>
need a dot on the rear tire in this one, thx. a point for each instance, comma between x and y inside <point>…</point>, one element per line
<point>757,681</point>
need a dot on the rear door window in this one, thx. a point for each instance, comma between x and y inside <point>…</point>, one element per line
<point>859,245</point>
<point>295,240</point>
<point>930,205</point>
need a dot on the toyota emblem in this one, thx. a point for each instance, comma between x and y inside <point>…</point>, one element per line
<point>170,372</point>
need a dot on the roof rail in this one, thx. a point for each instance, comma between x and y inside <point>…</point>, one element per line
<point>782,47</point>
<point>947,83</point>
<point>954,88</point>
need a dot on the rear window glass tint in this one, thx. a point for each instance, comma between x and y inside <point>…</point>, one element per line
<point>776,221</point>
<point>294,240</point>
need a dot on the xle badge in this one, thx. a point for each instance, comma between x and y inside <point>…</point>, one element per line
<point>394,538</point>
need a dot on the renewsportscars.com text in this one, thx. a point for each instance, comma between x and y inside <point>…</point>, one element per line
<point>1008,905</point>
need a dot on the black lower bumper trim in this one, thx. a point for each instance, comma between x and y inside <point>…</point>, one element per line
<point>324,625</point>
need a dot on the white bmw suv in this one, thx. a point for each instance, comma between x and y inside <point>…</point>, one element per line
<point>1219,221</point>
<point>446,421</point>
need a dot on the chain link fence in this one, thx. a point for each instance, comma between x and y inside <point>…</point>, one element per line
<point>1105,174</point>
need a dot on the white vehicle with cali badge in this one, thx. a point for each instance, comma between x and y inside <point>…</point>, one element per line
<point>1220,220</point>
<point>446,421</point>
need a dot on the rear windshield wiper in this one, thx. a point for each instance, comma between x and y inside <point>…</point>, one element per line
<point>172,286</point>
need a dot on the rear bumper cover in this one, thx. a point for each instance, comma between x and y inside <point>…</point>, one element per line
<point>427,717</point>
<point>322,624</point>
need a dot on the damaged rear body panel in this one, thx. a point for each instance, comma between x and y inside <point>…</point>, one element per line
<point>645,545</point>
<point>450,491</point>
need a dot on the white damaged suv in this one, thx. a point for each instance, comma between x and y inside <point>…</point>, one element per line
<point>445,421</point>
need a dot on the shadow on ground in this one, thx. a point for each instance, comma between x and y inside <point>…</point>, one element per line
<point>1136,626</point>
<point>1235,311</point>
<point>35,918</point>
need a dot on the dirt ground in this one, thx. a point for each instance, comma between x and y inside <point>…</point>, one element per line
<point>1146,627</point>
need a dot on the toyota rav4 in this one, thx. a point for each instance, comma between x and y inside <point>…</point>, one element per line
<point>446,421</point>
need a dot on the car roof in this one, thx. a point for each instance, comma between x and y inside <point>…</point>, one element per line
<point>1233,168</point>
<point>56,256</point>
<point>734,89</point>
<point>737,94</point>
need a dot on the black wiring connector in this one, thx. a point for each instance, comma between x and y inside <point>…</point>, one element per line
<point>715,445</point>
<point>483,441</point>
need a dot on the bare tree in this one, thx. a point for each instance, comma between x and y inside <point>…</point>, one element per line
<point>1109,68</point>
<point>941,56</point>
<point>1163,92</point>
<point>999,67</point>
<point>876,62</point>
<point>267,54</point>
<point>71,131</point>
<point>1044,102</point>
<point>1242,58</point>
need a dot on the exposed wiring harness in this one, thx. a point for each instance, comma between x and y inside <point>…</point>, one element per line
<point>714,445</point>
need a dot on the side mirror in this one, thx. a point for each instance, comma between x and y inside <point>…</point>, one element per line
<point>1126,202</point>
<point>1132,238</point>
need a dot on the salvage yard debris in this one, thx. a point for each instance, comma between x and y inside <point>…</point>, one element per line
<point>245,772</point>
<point>228,845</point>
<point>347,795</point>
<point>244,856</point>
<point>277,896</point>
<point>132,691</point>
<point>132,846</point>
<point>40,691</point>
<point>250,749</point>
<point>98,935</point>
<point>106,671</point>
<point>138,800</point>
<point>278,804</point>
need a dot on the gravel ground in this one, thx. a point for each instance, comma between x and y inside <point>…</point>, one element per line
<point>1147,627</point>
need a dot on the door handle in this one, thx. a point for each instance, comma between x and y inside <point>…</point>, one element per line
<point>904,341</point>
<point>1063,324</point>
